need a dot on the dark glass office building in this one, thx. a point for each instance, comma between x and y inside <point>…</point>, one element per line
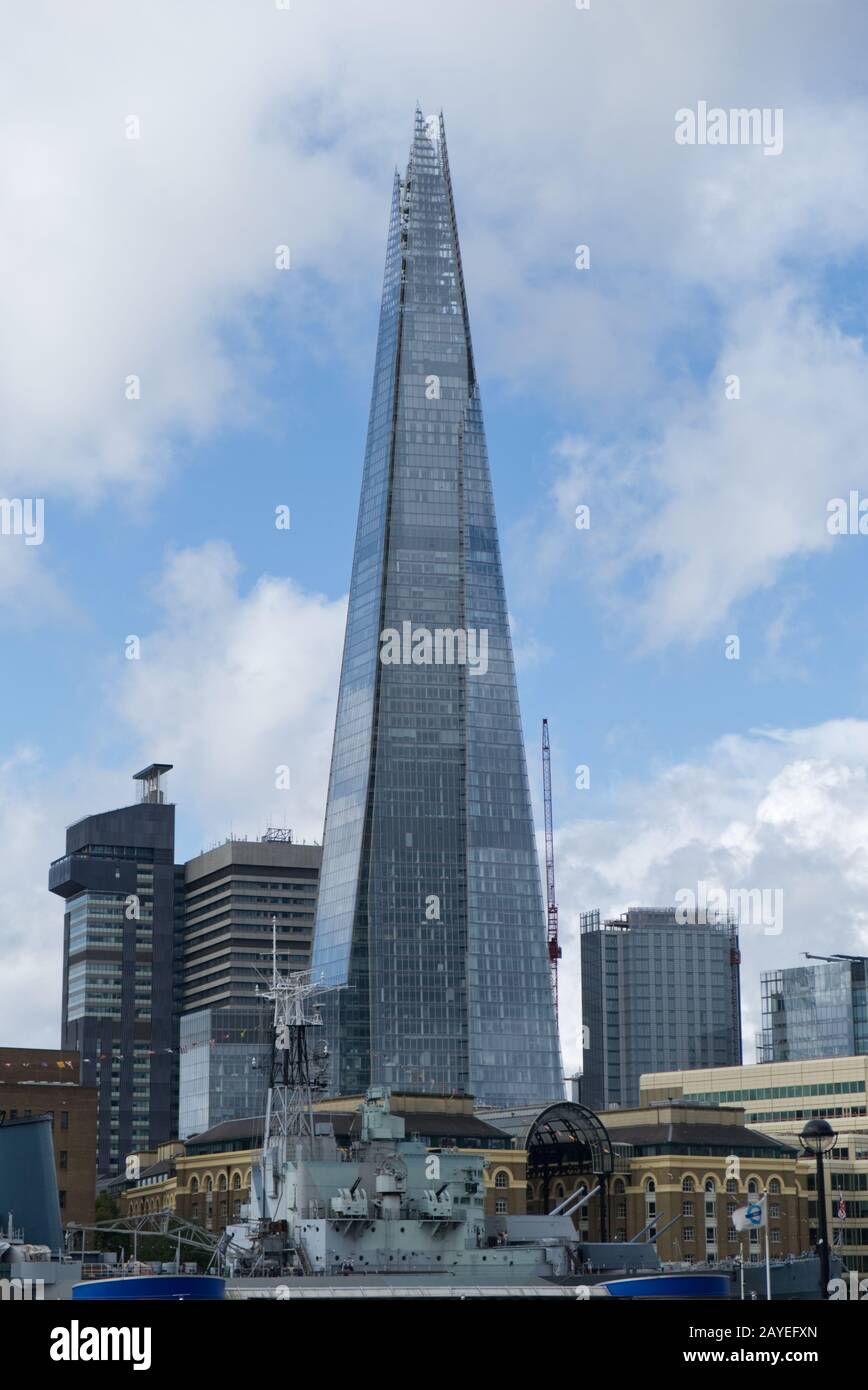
<point>657,995</point>
<point>430,908</point>
<point>119,880</point>
<point>818,1010</point>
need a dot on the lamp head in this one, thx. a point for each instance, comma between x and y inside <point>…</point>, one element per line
<point>817,1137</point>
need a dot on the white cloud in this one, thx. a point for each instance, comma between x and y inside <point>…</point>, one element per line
<point>685,528</point>
<point>230,684</point>
<point>261,127</point>
<point>782,809</point>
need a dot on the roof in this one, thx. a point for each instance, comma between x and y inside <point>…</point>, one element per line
<point>433,1124</point>
<point>563,1124</point>
<point>164,1168</point>
<point>688,1135</point>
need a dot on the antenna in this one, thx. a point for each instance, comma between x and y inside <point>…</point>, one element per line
<point>298,1069</point>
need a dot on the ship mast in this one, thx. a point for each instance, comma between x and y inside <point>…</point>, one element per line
<point>298,1068</point>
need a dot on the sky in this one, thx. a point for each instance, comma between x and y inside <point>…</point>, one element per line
<point>700,385</point>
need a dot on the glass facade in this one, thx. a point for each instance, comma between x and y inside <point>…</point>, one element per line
<point>430,910</point>
<point>225,1060</point>
<point>814,1010</point>
<point>657,995</point>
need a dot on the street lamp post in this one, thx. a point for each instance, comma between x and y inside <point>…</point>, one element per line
<point>817,1138</point>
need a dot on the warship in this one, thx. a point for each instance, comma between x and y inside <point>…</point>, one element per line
<point>387,1214</point>
<point>379,1216</point>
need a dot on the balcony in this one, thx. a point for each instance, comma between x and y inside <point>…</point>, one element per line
<point>80,873</point>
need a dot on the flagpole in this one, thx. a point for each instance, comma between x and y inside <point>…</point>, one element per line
<point>768,1257</point>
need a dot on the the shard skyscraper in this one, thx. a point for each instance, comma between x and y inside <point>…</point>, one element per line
<point>430,908</point>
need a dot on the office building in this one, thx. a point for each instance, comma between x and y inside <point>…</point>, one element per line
<point>682,1157</point>
<point>232,896</point>
<point>118,880</point>
<point>779,1098</point>
<point>817,1010</point>
<point>657,994</point>
<point>430,909</point>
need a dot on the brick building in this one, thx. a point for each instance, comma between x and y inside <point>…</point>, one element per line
<point>45,1081</point>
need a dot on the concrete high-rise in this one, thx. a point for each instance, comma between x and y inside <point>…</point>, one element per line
<point>118,878</point>
<point>657,995</point>
<point>232,894</point>
<point>430,908</point>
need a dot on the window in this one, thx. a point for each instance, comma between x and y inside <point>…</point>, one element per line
<point>501,1179</point>
<point>62,1195</point>
<point>64,1119</point>
<point>753,1186</point>
<point>775,1209</point>
<point>63,1158</point>
<point>236,1182</point>
<point>776,1235</point>
<point>501,1206</point>
<point>709,1185</point>
<point>621,1209</point>
<point>687,1185</point>
<point>688,1233</point>
<point>774,1185</point>
<point>731,1185</point>
<point>686,1208</point>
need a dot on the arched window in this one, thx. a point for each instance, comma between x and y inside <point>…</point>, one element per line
<point>731,1185</point>
<point>710,1185</point>
<point>236,1181</point>
<point>559,1192</point>
<point>687,1185</point>
<point>222,1184</point>
<point>209,1184</point>
<point>774,1185</point>
<point>194,1184</point>
<point>650,1185</point>
<point>501,1178</point>
<point>752,1186</point>
<point>619,1185</point>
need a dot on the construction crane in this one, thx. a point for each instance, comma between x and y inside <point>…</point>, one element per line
<point>552,906</point>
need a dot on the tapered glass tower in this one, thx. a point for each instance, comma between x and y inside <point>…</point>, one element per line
<point>430,910</point>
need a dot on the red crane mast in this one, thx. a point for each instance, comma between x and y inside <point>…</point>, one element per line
<point>551,901</point>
